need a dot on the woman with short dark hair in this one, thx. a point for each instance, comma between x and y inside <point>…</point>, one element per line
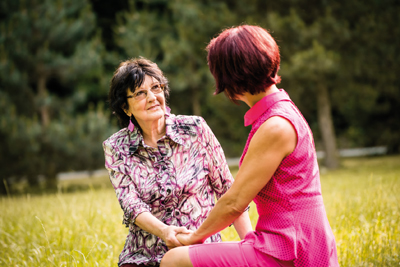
<point>166,169</point>
<point>278,168</point>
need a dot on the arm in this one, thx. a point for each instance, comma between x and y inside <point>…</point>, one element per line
<point>221,177</point>
<point>272,142</point>
<point>135,210</point>
<point>151,224</point>
<point>243,224</point>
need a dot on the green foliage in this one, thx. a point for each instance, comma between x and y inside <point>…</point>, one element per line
<point>343,45</point>
<point>70,143</point>
<point>47,48</point>
<point>19,148</point>
<point>53,63</point>
<point>349,47</point>
<point>85,229</point>
<point>50,67</point>
<point>174,35</point>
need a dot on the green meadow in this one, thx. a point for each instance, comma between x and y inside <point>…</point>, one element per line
<point>84,227</point>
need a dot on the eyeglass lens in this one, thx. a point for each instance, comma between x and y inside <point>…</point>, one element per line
<point>142,94</point>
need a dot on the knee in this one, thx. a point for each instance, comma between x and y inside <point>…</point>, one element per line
<point>176,257</point>
<point>168,259</point>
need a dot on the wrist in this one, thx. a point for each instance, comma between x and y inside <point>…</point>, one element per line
<point>163,231</point>
<point>198,238</point>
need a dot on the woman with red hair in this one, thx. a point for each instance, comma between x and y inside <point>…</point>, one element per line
<point>278,168</point>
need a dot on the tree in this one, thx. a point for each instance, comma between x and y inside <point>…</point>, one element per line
<point>50,67</point>
<point>47,40</point>
<point>174,35</point>
<point>311,69</point>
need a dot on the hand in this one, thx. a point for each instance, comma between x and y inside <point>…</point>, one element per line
<point>188,238</point>
<point>169,235</point>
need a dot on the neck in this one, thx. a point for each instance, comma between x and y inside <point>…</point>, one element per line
<point>153,131</point>
<point>251,100</point>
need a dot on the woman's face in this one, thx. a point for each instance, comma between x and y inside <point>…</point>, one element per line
<point>147,106</point>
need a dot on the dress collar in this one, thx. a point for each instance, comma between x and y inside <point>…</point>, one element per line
<point>263,105</point>
<point>136,136</point>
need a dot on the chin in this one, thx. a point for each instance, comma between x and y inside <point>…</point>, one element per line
<point>159,114</point>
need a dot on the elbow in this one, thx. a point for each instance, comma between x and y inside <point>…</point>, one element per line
<point>232,207</point>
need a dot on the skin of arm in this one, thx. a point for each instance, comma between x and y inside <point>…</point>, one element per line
<point>243,224</point>
<point>274,140</point>
<point>220,176</point>
<point>151,224</point>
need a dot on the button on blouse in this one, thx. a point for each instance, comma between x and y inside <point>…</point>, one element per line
<point>177,182</point>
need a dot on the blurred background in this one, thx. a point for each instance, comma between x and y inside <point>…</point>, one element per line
<point>339,63</point>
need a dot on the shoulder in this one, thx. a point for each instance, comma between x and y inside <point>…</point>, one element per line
<point>187,120</point>
<point>117,139</point>
<point>277,132</point>
<point>187,124</point>
<point>276,125</point>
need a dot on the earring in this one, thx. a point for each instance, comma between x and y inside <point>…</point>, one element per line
<point>131,126</point>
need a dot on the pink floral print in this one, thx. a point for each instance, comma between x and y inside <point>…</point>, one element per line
<point>177,182</point>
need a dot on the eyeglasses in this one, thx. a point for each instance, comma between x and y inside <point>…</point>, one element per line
<point>142,94</point>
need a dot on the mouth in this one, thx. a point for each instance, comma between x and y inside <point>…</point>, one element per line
<point>153,107</point>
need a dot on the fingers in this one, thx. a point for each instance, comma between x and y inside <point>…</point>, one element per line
<point>170,237</point>
<point>171,234</point>
<point>184,238</point>
<point>182,230</point>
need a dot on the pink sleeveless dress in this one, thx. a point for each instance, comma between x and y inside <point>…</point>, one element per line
<point>292,222</point>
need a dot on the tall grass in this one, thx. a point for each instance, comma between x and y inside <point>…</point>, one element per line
<point>85,228</point>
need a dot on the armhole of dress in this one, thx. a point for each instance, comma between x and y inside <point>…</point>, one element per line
<point>310,135</point>
<point>295,129</point>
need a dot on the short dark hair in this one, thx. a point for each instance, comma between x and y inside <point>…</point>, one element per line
<point>243,59</point>
<point>130,74</point>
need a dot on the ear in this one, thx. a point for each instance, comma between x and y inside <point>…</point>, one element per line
<point>126,110</point>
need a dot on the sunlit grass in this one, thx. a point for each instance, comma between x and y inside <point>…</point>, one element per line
<point>84,228</point>
<point>362,200</point>
<point>79,229</point>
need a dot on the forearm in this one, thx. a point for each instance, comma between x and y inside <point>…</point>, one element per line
<point>167,233</point>
<point>222,215</point>
<point>243,225</point>
<point>147,222</point>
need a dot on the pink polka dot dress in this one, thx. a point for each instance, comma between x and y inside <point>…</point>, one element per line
<point>292,222</point>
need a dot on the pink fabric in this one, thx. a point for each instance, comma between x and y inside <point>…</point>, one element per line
<point>133,265</point>
<point>236,254</point>
<point>131,126</point>
<point>177,182</point>
<point>292,222</point>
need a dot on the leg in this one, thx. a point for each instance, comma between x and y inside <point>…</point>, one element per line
<point>238,254</point>
<point>177,257</point>
<point>133,265</point>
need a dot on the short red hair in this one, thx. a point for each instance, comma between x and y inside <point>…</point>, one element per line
<point>243,59</point>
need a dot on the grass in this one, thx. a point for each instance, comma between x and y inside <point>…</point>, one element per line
<point>84,228</point>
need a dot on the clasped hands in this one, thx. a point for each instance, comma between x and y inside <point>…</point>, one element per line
<point>174,236</point>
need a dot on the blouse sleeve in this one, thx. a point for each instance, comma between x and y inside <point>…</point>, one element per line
<point>220,176</point>
<point>128,197</point>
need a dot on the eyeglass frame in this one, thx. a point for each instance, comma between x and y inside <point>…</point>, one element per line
<point>135,94</point>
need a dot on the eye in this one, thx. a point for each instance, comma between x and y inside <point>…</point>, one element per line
<point>139,93</point>
<point>156,87</point>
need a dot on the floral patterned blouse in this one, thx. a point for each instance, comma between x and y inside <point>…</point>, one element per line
<point>177,182</point>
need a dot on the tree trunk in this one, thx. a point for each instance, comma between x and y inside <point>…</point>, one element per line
<point>326,127</point>
<point>196,102</point>
<point>51,177</point>
<point>4,187</point>
<point>42,96</point>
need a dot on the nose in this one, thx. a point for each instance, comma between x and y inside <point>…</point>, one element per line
<point>150,96</point>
